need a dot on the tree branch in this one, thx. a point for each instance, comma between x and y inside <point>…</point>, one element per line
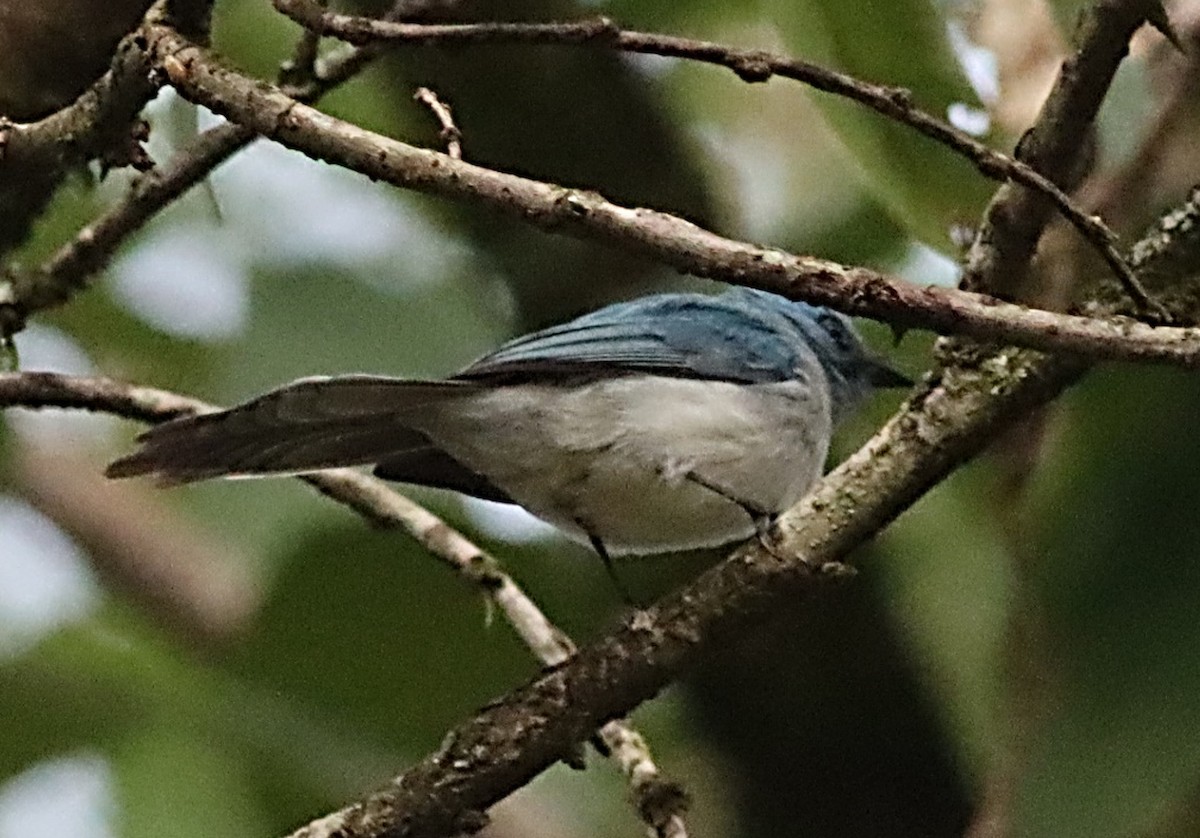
<point>671,240</point>
<point>750,66</point>
<point>511,741</point>
<point>950,419</point>
<point>1057,144</point>
<point>1061,144</point>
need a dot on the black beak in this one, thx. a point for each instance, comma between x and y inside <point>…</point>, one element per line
<point>881,375</point>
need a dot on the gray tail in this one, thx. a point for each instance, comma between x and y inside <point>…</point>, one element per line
<point>308,425</point>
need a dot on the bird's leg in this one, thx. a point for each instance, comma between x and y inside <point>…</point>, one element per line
<point>602,551</point>
<point>763,519</point>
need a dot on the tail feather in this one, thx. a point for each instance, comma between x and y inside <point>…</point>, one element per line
<point>308,425</point>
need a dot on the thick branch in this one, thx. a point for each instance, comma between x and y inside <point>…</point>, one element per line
<point>750,65</point>
<point>670,239</point>
<point>977,395</point>
<point>69,269</point>
<point>34,155</point>
<point>510,742</point>
<point>1057,144</point>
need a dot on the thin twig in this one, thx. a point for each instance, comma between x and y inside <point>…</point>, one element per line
<point>749,65</point>
<point>449,134</point>
<point>68,270</point>
<point>659,800</point>
<point>301,68</point>
<point>198,76</point>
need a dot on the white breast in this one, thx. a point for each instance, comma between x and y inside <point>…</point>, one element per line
<point>624,459</point>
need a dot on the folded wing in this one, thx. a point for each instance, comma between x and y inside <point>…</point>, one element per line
<point>679,335</point>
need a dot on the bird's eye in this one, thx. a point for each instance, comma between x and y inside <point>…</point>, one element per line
<point>837,330</point>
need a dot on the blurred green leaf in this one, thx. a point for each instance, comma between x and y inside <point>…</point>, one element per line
<point>1119,519</point>
<point>173,780</point>
<point>366,627</point>
<point>950,580</point>
<point>52,701</point>
<point>927,188</point>
<point>112,685</point>
<point>321,319</point>
<point>254,35</point>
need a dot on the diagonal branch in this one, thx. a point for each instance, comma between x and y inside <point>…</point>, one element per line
<point>750,66</point>
<point>512,740</point>
<point>670,239</point>
<point>1059,144</point>
<point>659,801</point>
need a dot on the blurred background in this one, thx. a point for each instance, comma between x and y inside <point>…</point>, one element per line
<point>1020,651</point>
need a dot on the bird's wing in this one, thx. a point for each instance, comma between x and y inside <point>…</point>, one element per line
<point>304,426</point>
<point>684,335</point>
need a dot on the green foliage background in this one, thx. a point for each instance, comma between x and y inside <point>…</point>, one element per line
<point>879,712</point>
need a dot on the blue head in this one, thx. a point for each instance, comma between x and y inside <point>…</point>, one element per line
<point>852,370</point>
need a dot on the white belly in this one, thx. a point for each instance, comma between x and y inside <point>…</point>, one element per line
<point>624,459</point>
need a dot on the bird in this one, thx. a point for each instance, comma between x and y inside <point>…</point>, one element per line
<point>671,422</point>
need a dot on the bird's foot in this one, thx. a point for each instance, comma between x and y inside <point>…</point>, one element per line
<point>763,519</point>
